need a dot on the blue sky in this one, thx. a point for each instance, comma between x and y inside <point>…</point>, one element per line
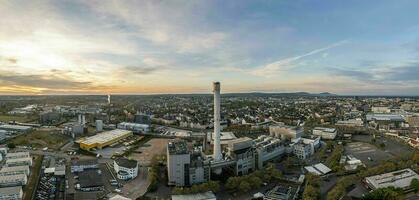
<point>140,47</point>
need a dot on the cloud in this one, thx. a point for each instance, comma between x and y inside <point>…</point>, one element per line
<point>40,81</point>
<point>401,75</point>
<point>288,63</point>
<point>139,70</point>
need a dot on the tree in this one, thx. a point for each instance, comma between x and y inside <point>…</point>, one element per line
<point>11,146</point>
<point>255,181</point>
<point>244,186</point>
<point>414,184</point>
<point>310,193</point>
<point>232,183</point>
<point>389,193</point>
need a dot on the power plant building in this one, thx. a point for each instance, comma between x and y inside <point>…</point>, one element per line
<point>104,139</point>
<point>186,167</point>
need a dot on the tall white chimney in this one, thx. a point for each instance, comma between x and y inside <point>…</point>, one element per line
<point>217,144</point>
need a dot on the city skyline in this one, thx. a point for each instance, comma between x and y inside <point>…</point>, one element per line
<point>148,47</point>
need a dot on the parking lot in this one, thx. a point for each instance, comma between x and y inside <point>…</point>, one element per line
<point>363,151</point>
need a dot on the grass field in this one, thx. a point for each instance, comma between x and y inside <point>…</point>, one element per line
<point>33,178</point>
<point>41,139</point>
<point>18,118</point>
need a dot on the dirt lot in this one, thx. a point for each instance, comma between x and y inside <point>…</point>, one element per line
<point>145,152</point>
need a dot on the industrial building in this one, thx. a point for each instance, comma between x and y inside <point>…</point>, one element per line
<point>18,155</point>
<point>104,139</point>
<point>13,180</point>
<point>137,128</point>
<point>81,165</point>
<point>7,171</point>
<point>325,133</point>
<point>15,128</point>
<point>141,118</point>
<point>11,193</point>
<point>125,169</point>
<point>3,134</point>
<point>90,180</point>
<point>398,179</point>
<point>242,152</point>
<point>267,149</point>
<point>185,167</point>
<point>385,121</point>
<point>19,162</point>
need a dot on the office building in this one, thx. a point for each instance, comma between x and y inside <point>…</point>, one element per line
<point>125,169</point>
<point>104,139</point>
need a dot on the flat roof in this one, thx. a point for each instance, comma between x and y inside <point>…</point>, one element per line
<point>177,147</point>
<point>126,163</point>
<point>14,169</point>
<point>90,178</point>
<point>10,190</point>
<point>199,196</point>
<point>16,127</point>
<point>12,160</point>
<point>330,130</point>
<point>18,154</point>
<point>12,177</point>
<point>105,136</point>
<point>398,179</point>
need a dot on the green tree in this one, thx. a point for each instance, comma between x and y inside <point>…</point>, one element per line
<point>389,193</point>
<point>244,186</point>
<point>255,181</point>
<point>310,193</point>
<point>414,184</point>
<point>232,183</point>
<point>11,146</point>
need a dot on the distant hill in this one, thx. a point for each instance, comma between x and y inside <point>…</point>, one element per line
<point>323,94</point>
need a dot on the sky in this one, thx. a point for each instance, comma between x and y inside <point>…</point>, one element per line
<point>146,47</point>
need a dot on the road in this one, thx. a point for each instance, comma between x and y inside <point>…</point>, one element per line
<point>137,187</point>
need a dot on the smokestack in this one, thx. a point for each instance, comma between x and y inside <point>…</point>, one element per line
<point>217,144</point>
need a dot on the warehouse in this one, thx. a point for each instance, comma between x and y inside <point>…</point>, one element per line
<point>7,171</point>
<point>11,193</point>
<point>19,162</point>
<point>398,179</point>
<point>104,139</point>
<point>13,180</point>
<point>17,155</point>
<point>15,128</point>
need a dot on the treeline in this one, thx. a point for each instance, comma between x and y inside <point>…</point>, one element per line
<point>312,189</point>
<point>213,186</point>
<point>253,180</point>
<point>155,174</point>
<point>388,166</point>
